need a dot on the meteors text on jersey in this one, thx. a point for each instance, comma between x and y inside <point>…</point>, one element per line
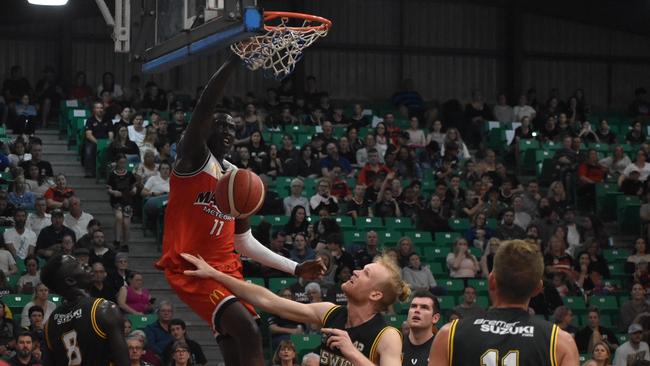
<point>206,199</point>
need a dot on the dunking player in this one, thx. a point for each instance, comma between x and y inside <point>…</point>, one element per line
<point>355,334</point>
<point>507,334</point>
<point>83,330</point>
<point>194,224</point>
<point>424,313</point>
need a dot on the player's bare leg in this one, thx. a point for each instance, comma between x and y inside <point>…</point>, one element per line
<point>242,341</point>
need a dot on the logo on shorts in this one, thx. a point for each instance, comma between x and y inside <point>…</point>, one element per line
<point>216,296</point>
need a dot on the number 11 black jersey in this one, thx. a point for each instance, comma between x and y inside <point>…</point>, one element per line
<point>503,337</point>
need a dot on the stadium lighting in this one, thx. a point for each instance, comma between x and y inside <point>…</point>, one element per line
<point>48,2</point>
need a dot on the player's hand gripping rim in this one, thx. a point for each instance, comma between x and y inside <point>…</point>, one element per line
<point>203,269</point>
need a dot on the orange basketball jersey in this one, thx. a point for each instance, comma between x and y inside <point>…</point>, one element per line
<point>194,224</point>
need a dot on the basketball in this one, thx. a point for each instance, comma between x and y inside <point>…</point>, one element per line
<point>239,193</point>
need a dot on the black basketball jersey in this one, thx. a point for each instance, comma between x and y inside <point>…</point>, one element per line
<point>503,337</point>
<point>413,355</point>
<point>74,337</point>
<point>365,336</point>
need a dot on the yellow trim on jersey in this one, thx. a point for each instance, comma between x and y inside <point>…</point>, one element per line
<point>450,341</point>
<point>375,343</point>
<point>47,337</point>
<point>329,312</point>
<point>553,351</point>
<point>93,318</point>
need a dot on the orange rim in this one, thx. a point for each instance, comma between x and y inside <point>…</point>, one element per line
<point>325,23</point>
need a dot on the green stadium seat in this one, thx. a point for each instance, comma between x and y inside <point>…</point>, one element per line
<point>398,223</point>
<point>100,160</point>
<point>459,225</point>
<point>576,321</point>
<point>437,269</point>
<point>141,321</point>
<point>477,252</point>
<point>277,220</point>
<point>278,283</point>
<point>605,303</point>
<point>600,147</point>
<point>617,270</point>
<point>445,239</point>
<point>420,238</point>
<point>306,343</point>
<point>616,254</point>
<point>256,281</point>
<point>16,302</point>
<point>479,284</point>
<point>606,196</point>
<point>575,303</point>
<point>345,222</point>
<point>396,320</point>
<point>13,279</point>
<point>388,238</point>
<point>55,298</point>
<point>584,358</point>
<point>447,302</point>
<point>401,307</point>
<point>256,220</point>
<point>627,214</point>
<point>453,285</point>
<point>367,223</point>
<point>353,236</point>
<point>437,254</point>
<point>622,338</point>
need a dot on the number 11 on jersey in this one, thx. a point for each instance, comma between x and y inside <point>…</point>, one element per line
<point>217,227</point>
<point>491,358</point>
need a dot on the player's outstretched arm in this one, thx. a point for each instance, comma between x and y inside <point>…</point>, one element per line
<point>439,354</point>
<point>192,149</point>
<point>260,296</point>
<point>566,350</point>
<point>246,244</point>
<point>111,322</point>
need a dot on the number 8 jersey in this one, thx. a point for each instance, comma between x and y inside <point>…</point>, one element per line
<point>74,337</point>
<point>503,337</point>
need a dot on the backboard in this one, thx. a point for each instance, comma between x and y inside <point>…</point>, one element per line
<point>188,28</point>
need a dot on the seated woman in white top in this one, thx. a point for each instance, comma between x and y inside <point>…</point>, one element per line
<point>616,163</point>
<point>419,277</point>
<point>461,262</point>
<point>158,184</point>
<point>41,294</point>
<point>640,165</point>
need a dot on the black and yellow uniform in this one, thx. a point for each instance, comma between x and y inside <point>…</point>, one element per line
<point>503,337</point>
<point>365,337</point>
<point>74,337</point>
<point>413,355</point>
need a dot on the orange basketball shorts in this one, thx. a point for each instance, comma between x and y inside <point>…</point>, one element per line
<point>207,297</point>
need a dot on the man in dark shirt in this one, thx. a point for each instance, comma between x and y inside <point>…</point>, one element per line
<point>43,166</point>
<point>178,330</point>
<point>585,337</point>
<point>366,255</point>
<point>423,314</point>
<point>100,287</point>
<point>177,126</point>
<point>97,127</point>
<point>52,235</point>
<point>16,85</point>
<point>508,230</point>
<point>339,256</point>
<point>101,253</point>
<point>24,348</point>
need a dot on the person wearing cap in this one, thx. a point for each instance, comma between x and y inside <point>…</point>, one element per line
<point>52,235</point>
<point>82,255</point>
<point>632,350</point>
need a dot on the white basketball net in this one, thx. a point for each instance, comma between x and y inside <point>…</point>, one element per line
<point>278,50</point>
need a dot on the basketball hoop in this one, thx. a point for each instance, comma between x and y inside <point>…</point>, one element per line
<point>287,36</point>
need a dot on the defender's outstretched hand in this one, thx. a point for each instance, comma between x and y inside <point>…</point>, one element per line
<point>311,270</point>
<point>203,269</point>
